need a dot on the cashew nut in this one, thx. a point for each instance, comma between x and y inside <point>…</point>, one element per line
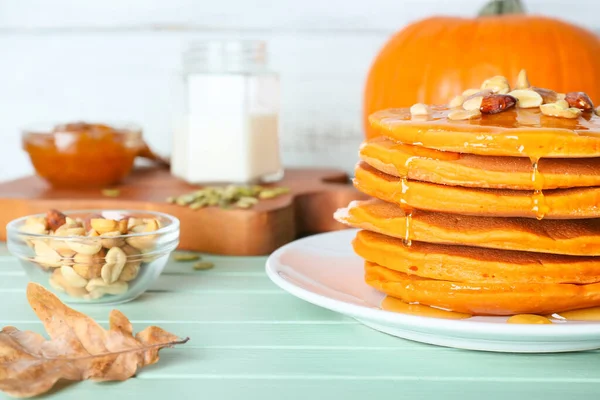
<point>72,277</point>
<point>85,247</point>
<point>115,261</point>
<point>46,255</point>
<point>110,243</point>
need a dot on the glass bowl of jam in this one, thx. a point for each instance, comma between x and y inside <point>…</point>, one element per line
<point>83,154</point>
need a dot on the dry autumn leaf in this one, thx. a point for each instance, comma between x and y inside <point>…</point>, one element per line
<point>78,349</point>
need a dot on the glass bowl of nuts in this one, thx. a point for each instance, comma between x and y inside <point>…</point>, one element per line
<point>94,256</point>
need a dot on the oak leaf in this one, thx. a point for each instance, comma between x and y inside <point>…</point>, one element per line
<point>78,349</point>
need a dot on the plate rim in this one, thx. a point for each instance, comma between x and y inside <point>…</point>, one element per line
<point>415,321</point>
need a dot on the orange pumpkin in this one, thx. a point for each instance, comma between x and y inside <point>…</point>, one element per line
<point>432,60</point>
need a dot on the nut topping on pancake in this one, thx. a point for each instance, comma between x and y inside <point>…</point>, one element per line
<point>496,103</point>
<point>579,100</point>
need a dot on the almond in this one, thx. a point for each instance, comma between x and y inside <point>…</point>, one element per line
<point>558,110</point>
<point>522,81</point>
<point>461,115</point>
<point>548,96</point>
<point>473,103</point>
<point>420,109</point>
<point>470,92</point>
<point>496,103</point>
<point>55,219</point>
<point>457,101</point>
<point>527,98</point>
<point>579,100</point>
<point>498,84</point>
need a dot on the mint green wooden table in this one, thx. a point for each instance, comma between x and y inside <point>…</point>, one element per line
<point>251,340</point>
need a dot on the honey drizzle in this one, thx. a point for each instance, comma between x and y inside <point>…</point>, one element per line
<point>394,304</point>
<point>529,319</point>
<point>538,201</point>
<point>399,306</point>
<point>408,210</point>
<point>586,314</point>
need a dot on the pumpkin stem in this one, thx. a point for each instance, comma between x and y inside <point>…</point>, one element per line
<point>501,7</point>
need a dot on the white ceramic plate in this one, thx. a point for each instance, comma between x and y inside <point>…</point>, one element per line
<point>324,270</point>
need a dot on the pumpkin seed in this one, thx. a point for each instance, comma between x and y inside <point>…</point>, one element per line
<point>226,196</point>
<point>185,257</point>
<point>111,192</point>
<point>203,265</point>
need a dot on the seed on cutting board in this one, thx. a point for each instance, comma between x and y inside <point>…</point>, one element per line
<point>185,257</point>
<point>111,192</point>
<point>199,204</point>
<point>203,265</point>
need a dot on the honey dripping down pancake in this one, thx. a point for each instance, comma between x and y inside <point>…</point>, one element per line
<point>572,203</point>
<point>571,237</point>
<point>455,169</point>
<point>473,264</point>
<point>483,298</point>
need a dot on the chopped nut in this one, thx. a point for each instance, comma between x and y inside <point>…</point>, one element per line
<point>98,288</point>
<point>55,219</point>
<point>558,109</point>
<point>457,101</point>
<point>115,261</point>
<point>72,277</point>
<point>130,272</point>
<point>108,242</point>
<point>459,115</point>
<point>123,225</point>
<point>185,256</point>
<point>46,255</point>
<point>548,96</point>
<point>59,283</point>
<point>498,84</point>
<point>473,103</point>
<point>527,98</point>
<point>89,247</point>
<point>522,81</point>
<point>470,92</point>
<point>496,103</point>
<point>203,265</point>
<point>88,271</point>
<point>579,100</point>
<point>102,225</point>
<point>420,109</point>
<point>35,225</point>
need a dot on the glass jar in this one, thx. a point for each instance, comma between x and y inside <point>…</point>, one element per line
<point>229,130</point>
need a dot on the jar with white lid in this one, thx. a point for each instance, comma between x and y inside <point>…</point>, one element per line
<point>230,126</point>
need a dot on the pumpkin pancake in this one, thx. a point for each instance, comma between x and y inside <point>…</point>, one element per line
<point>554,204</point>
<point>448,168</point>
<point>517,132</point>
<point>474,264</point>
<point>571,237</point>
<point>483,298</point>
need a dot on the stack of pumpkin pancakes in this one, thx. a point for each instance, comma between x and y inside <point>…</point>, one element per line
<point>484,208</point>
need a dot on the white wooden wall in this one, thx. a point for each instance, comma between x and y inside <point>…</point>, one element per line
<point>66,60</point>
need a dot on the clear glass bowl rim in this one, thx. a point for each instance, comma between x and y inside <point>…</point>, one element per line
<point>11,227</point>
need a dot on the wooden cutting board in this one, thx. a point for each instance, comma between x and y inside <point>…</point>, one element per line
<point>314,195</point>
